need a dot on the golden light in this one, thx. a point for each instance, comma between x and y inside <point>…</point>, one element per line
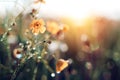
<point>80,9</point>
<point>76,9</point>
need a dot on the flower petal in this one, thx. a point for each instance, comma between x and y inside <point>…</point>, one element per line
<point>61,65</point>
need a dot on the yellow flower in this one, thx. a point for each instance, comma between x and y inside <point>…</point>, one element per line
<point>52,27</point>
<point>37,26</point>
<point>61,65</point>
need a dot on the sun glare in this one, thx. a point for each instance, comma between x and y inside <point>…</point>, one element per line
<point>79,9</point>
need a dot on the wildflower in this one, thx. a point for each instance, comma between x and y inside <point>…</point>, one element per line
<point>61,65</point>
<point>52,27</point>
<point>34,11</point>
<point>37,26</point>
<point>39,1</point>
<point>65,28</point>
<point>60,33</point>
<point>16,52</point>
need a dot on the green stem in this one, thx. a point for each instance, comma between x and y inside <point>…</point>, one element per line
<point>15,72</point>
<point>35,72</point>
<point>23,61</point>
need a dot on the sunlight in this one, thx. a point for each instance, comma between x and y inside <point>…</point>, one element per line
<point>79,9</point>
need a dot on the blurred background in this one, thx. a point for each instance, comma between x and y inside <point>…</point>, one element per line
<point>92,43</point>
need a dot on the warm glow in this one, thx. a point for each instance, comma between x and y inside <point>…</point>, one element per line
<point>79,9</point>
<point>76,9</point>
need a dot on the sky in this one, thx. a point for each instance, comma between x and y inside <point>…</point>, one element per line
<point>71,8</point>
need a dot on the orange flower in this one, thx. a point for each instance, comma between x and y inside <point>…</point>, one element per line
<point>40,1</point>
<point>61,65</point>
<point>65,27</point>
<point>37,26</point>
<point>16,52</point>
<point>52,27</point>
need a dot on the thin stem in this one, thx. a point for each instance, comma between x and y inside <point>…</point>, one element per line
<point>16,71</point>
<point>47,66</point>
<point>35,72</point>
<point>23,61</point>
<point>5,35</point>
